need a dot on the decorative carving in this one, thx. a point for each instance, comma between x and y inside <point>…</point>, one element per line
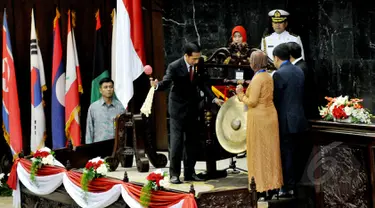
<point>124,156</point>
<point>230,198</point>
<point>236,56</point>
<point>239,54</point>
<point>132,133</point>
<point>31,201</point>
<point>219,56</point>
<point>156,159</point>
<point>126,178</point>
<point>138,131</point>
<point>192,190</point>
<point>348,182</point>
<point>112,162</point>
<point>253,193</point>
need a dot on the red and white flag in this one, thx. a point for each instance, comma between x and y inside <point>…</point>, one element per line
<point>128,55</point>
<point>73,88</point>
<point>38,86</point>
<point>11,109</point>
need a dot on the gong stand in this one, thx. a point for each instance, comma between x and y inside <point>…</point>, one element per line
<point>210,150</point>
<point>137,141</point>
<point>232,162</point>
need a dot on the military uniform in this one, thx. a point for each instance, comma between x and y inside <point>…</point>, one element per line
<point>269,42</point>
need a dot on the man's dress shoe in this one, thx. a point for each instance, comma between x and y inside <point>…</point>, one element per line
<point>193,177</point>
<point>175,180</point>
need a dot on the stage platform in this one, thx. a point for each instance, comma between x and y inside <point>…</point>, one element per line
<point>234,181</point>
<point>230,182</point>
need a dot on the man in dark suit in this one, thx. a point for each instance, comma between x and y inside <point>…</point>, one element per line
<point>288,99</point>
<point>186,82</point>
<point>302,153</point>
<point>309,96</point>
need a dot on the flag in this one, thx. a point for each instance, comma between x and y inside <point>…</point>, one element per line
<point>73,87</point>
<point>113,49</point>
<point>11,110</point>
<point>129,50</point>
<point>58,89</point>
<point>38,86</point>
<point>100,71</point>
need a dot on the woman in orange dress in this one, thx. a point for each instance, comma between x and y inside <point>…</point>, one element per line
<point>263,145</point>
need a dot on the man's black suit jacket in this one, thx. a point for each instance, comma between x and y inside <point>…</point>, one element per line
<point>288,99</point>
<point>310,98</point>
<point>184,96</point>
<point>302,64</point>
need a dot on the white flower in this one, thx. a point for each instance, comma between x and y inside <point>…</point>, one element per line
<point>102,169</point>
<point>45,149</point>
<point>348,110</point>
<point>341,100</point>
<point>1,184</point>
<point>164,182</point>
<point>159,171</point>
<point>323,111</point>
<point>362,115</point>
<point>97,159</point>
<point>48,160</point>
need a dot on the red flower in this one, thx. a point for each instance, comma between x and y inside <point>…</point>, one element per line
<point>93,165</point>
<point>41,154</point>
<point>89,165</point>
<point>151,177</point>
<point>155,177</point>
<point>338,112</point>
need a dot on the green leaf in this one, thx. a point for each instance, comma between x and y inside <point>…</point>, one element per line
<point>145,196</point>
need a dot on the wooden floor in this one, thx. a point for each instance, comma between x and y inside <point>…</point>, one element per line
<point>232,181</point>
<point>239,180</point>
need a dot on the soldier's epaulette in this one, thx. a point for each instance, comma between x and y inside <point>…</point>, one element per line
<point>295,35</point>
<point>266,35</point>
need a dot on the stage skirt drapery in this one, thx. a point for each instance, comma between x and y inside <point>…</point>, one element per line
<point>102,192</point>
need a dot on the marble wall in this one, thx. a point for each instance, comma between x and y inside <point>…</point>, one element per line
<point>338,36</point>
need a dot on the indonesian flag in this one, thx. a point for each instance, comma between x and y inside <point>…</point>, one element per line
<point>128,54</point>
<point>38,86</point>
<point>11,109</point>
<point>73,88</point>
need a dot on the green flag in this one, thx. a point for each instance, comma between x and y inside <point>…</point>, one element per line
<point>100,70</point>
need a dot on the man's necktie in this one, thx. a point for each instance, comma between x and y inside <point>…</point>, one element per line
<point>191,71</point>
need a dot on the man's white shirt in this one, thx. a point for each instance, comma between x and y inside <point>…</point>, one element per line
<point>297,60</point>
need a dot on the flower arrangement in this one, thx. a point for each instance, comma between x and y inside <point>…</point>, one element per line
<point>342,109</point>
<point>43,156</point>
<point>154,181</point>
<point>95,168</point>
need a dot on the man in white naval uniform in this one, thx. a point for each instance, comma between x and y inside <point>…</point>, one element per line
<point>279,24</point>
